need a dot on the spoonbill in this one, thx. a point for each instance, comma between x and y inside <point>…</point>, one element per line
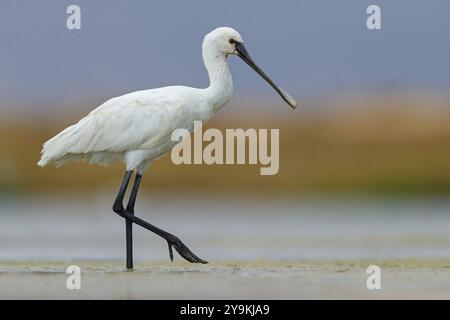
<point>136,128</point>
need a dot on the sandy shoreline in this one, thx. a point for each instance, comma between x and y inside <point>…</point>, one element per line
<point>402,279</point>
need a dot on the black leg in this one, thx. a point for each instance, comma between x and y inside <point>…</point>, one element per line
<point>129,223</point>
<point>172,240</point>
<point>129,240</point>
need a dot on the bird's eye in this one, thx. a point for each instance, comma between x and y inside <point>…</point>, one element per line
<point>232,41</point>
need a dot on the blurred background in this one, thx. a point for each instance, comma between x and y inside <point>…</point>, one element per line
<point>364,160</point>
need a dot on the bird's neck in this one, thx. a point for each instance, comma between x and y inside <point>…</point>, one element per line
<point>221,83</point>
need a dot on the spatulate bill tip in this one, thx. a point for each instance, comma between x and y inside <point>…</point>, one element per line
<point>291,101</point>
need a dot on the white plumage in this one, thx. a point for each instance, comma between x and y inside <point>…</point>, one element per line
<point>134,128</point>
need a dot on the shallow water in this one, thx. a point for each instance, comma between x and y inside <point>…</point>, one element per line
<point>229,228</point>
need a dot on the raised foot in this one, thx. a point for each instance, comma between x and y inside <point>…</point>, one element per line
<point>183,250</point>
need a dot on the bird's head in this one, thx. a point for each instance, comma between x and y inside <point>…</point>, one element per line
<point>225,41</point>
<point>222,40</point>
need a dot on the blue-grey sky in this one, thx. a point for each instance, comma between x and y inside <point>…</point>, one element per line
<point>310,47</point>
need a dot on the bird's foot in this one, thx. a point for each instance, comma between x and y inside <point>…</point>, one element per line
<point>183,250</point>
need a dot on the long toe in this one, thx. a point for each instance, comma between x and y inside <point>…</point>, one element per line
<point>190,256</point>
<point>184,252</point>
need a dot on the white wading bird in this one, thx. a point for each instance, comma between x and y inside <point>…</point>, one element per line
<point>136,128</point>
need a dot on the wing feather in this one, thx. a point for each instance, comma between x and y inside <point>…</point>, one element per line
<point>133,121</point>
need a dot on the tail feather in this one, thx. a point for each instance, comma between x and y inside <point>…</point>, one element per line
<point>63,143</point>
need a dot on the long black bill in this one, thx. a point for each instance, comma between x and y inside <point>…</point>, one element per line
<point>243,54</point>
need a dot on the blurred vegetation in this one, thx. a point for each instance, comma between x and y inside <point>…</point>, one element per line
<point>391,145</point>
